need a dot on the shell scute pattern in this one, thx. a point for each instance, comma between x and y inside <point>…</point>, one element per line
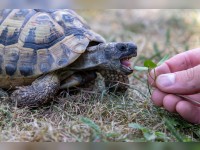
<point>69,50</point>
<point>41,32</point>
<point>69,19</point>
<point>27,61</point>
<point>66,54</point>
<point>11,58</point>
<point>11,26</point>
<point>4,13</point>
<point>72,23</point>
<point>45,60</point>
<point>33,42</point>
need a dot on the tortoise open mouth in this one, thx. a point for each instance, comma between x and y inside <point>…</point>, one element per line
<point>126,64</point>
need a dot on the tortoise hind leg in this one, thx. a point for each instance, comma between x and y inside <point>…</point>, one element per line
<point>41,91</point>
<point>114,81</point>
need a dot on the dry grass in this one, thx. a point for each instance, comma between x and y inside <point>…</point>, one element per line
<point>99,116</point>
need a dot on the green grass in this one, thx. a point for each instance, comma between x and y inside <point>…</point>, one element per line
<point>96,116</point>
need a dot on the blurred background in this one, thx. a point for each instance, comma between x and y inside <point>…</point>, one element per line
<point>167,28</point>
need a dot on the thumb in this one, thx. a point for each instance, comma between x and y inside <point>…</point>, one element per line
<point>182,82</point>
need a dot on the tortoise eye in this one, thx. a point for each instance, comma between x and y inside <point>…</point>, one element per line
<point>121,47</point>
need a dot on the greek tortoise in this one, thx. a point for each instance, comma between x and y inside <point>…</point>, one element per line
<point>42,51</point>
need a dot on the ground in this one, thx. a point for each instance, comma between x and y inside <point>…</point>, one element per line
<point>100,116</point>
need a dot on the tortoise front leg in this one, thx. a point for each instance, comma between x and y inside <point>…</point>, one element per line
<point>41,91</point>
<point>115,81</point>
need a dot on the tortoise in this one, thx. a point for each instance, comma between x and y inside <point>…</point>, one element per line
<point>43,50</point>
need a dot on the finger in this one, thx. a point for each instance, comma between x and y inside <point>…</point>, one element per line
<point>188,111</point>
<point>182,61</point>
<point>182,82</point>
<point>170,101</point>
<point>157,97</point>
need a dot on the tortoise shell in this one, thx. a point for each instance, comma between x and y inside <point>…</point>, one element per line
<point>35,41</point>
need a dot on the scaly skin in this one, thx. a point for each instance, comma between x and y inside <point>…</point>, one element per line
<point>115,81</point>
<point>41,91</point>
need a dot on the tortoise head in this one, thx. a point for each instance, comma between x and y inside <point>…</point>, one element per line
<point>117,56</point>
<point>110,56</point>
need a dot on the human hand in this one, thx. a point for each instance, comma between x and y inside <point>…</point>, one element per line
<point>179,75</point>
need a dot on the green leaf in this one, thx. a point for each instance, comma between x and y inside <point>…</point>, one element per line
<point>135,126</point>
<point>163,60</point>
<point>149,136</point>
<point>150,64</point>
<point>138,68</point>
<point>91,124</point>
<point>161,135</point>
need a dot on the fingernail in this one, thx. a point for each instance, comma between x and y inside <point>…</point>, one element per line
<point>166,79</point>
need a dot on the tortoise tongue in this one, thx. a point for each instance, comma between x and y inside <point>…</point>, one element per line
<point>126,63</point>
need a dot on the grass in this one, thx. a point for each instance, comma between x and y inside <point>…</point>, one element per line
<point>100,116</point>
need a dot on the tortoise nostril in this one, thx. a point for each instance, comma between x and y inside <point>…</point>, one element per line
<point>133,47</point>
